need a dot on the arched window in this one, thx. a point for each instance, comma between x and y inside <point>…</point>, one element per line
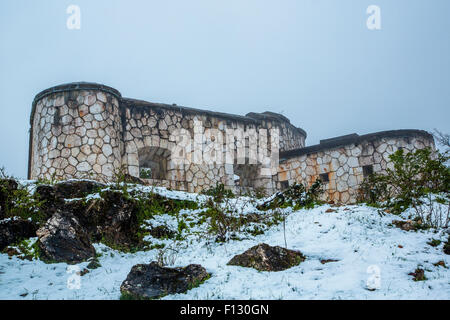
<point>153,162</point>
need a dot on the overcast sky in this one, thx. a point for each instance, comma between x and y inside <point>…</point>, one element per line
<point>314,61</point>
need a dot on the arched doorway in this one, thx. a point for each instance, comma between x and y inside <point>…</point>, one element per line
<point>153,162</point>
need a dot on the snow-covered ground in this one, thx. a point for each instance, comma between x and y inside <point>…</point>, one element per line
<point>367,248</point>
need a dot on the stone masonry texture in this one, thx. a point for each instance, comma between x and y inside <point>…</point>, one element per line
<point>88,130</point>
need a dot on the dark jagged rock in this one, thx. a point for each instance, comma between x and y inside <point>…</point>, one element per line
<point>50,202</point>
<point>151,281</point>
<point>15,229</point>
<point>162,232</point>
<point>77,188</point>
<point>53,196</point>
<point>111,218</point>
<point>63,239</point>
<point>70,189</point>
<point>7,187</point>
<point>267,258</point>
<point>418,274</point>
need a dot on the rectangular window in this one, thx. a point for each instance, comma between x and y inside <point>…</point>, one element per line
<point>367,170</point>
<point>324,177</point>
<point>284,185</point>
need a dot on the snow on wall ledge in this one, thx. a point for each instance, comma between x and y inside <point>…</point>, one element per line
<point>88,130</point>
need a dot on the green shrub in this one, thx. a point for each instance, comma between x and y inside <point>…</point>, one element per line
<point>145,173</point>
<point>225,219</point>
<point>20,202</point>
<point>219,193</point>
<point>296,196</point>
<point>434,242</point>
<point>413,176</point>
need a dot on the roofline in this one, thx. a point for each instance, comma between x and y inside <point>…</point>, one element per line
<point>254,118</point>
<point>73,86</point>
<point>251,117</point>
<point>337,142</point>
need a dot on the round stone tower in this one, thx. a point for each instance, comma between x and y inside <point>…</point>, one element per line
<point>76,132</point>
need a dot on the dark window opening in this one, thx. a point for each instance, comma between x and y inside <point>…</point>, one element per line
<point>324,177</point>
<point>245,174</point>
<point>367,170</point>
<point>284,185</point>
<point>56,117</point>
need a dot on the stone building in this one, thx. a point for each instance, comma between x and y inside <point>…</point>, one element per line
<point>88,130</point>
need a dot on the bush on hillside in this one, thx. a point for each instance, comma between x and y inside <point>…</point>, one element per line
<point>410,181</point>
<point>296,196</point>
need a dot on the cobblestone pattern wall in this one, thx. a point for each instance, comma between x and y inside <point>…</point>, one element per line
<point>151,127</point>
<point>344,165</point>
<point>91,132</point>
<point>76,135</point>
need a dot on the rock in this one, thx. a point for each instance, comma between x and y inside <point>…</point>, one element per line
<point>324,261</point>
<point>83,272</point>
<point>404,225</point>
<point>76,188</point>
<point>418,275</point>
<point>151,281</point>
<point>70,189</point>
<point>162,232</point>
<point>15,229</point>
<point>50,202</point>
<point>62,239</point>
<point>112,219</point>
<point>440,263</point>
<point>53,196</point>
<point>267,258</point>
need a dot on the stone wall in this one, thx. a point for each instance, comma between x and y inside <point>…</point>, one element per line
<point>87,130</point>
<point>148,128</point>
<point>76,133</point>
<point>345,161</point>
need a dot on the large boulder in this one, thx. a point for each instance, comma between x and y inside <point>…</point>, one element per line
<point>15,229</point>
<point>53,196</point>
<point>63,239</point>
<point>267,258</point>
<point>151,281</point>
<point>50,203</point>
<point>71,189</point>
<point>111,218</point>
